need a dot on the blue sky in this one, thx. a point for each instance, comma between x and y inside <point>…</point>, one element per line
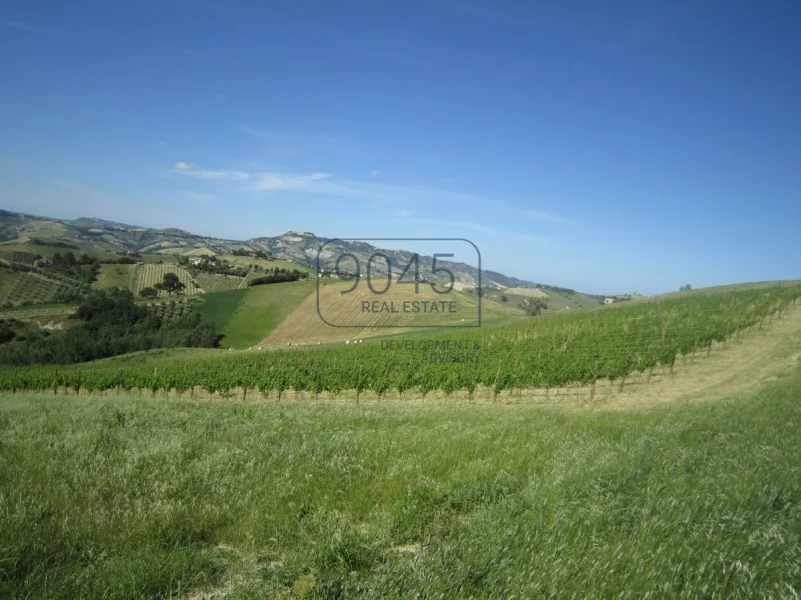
<point>610,147</point>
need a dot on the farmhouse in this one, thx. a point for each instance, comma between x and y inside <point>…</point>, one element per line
<point>609,300</point>
<point>195,260</point>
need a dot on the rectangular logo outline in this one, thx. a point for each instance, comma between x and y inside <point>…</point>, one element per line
<point>394,239</point>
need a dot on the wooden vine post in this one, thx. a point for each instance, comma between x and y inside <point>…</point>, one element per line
<point>359,383</point>
<point>623,377</point>
<point>495,385</point>
<point>661,319</point>
<point>594,378</point>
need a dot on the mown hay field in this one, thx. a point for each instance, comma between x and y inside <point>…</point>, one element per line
<point>333,316</point>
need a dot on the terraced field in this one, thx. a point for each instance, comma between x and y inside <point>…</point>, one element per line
<point>150,275</point>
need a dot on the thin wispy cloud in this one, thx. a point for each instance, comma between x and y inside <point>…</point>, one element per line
<point>189,169</point>
<point>290,181</point>
<point>546,217</point>
<point>326,184</point>
<point>400,199</point>
<point>375,173</point>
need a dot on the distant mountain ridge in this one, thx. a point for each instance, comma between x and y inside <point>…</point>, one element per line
<point>87,233</point>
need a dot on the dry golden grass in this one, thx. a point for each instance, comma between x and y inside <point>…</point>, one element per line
<point>533,292</point>
<point>305,326</point>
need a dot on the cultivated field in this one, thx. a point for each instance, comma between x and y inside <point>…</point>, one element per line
<point>641,450</point>
<point>354,320</point>
<point>244,261</point>
<point>17,256</point>
<point>210,282</point>
<point>38,312</point>
<point>114,275</point>
<point>150,275</point>
<point>262,309</point>
<point>33,288</point>
<point>119,497</point>
<point>218,307</point>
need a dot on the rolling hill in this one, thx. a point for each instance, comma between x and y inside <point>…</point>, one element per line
<point>22,232</point>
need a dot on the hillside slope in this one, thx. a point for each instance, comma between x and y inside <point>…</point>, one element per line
<point>301,248</point>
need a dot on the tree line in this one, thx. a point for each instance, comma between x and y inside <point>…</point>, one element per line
<point>111,323</point>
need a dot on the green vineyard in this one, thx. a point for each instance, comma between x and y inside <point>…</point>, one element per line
<point>210,282</point>
<point>15,256</point>
<point>150,275</point>
<point>173,308</point>
<point>579,348</point>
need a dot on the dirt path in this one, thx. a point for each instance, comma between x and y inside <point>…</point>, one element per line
<point>736,367</point>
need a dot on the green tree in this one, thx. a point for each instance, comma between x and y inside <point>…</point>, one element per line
<point>171,284</point>
<point>533,306</point>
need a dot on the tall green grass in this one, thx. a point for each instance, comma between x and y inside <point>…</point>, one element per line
<point>142,498</point>
<point>217,307</point>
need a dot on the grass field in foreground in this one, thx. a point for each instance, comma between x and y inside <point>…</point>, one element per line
<point>141,498</point>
